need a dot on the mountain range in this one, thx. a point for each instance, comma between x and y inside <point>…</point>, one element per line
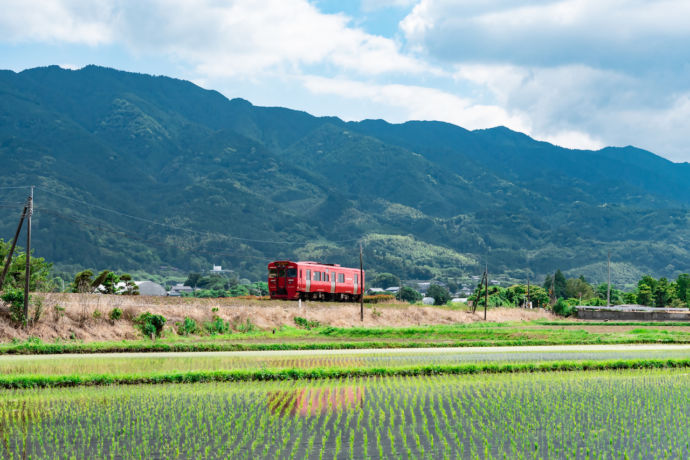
<point>152,174</point>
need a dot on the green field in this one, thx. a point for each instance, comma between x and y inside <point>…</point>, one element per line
<point>164,363</point>
<point>622,414</point>
<point>331,338</point>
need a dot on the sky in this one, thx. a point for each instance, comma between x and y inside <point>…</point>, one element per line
<point>578,73</point>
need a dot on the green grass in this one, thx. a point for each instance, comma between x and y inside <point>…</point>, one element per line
<point>330,338</point>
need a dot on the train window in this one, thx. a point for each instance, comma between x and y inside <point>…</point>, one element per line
<point>281,273</point>
<point>291,272</point>
<point>272,273</point>
<point>341,277</point>
<point>317,276</point>
<point>325,276</point>
<point>300,275</point>
<point>356,279</point>
<point>308,274</point>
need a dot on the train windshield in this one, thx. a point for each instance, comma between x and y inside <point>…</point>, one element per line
<point>292,273</point>
<point>281,272</point>
<point>271,272</point>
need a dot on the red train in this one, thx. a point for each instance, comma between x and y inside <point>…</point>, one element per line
<point>314,281</point>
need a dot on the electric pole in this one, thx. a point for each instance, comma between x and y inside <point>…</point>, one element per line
<point>30,212</point>
<point>361,285</point>
<point>486,289</point>
<point>608,289</point>
<point>14,243</point>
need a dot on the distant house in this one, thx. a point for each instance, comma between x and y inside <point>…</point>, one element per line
<point>459,300</point>
<point>150,288</point>
<point>428,300</point>
<point>178,289</point>
<point>393,289</point>
<point>376,291</point>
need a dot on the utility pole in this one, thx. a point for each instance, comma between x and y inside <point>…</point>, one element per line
<point>30,212</point>
<point>486,289</point>
<point>608,289</point>
<point>14,243</point>
<point>361,285</point>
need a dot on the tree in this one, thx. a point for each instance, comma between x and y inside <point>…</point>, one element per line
<point>408,295</point>
<point>385,280</point>
<point>683,288</point>
<point>82,282</point>
<point>130,287</point>
<point>193,280</point>
<point>40,278</point>
<point>663,293</point>
<point>439,293</point>
<point>559,284</point>
<point>578,288</point>
<point>645,295</point>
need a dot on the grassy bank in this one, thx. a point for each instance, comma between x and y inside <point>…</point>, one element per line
<point>331,338</point>
<point>37,381</point>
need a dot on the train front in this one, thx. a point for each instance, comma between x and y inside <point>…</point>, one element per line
<point>282,280</point>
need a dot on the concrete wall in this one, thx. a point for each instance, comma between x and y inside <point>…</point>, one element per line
<point>632,315</point>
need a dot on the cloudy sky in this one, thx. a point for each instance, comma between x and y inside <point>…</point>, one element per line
<point>578,73</point>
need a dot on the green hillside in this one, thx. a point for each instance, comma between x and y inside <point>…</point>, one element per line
<point>142,173</point>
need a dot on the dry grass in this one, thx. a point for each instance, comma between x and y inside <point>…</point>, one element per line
<point>85,316</point>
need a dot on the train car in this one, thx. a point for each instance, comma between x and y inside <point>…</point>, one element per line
<point>313,281</point>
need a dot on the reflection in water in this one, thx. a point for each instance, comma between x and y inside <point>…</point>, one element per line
<point>314,401</point>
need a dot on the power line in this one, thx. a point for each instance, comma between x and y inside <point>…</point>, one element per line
<point>142,240</point>
<point>173,227</point>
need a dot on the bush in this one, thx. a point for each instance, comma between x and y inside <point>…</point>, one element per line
<point>562,308</point>
<point>187,327</point>
<point>379,298</point>
<point>305,323</point>
<point>115,314</point>
<point>247,326</point>
<point>149,324</point>
<point>15,299</point>
<point>217,326</point>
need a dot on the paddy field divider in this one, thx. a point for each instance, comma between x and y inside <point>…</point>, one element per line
<point>39,381</point>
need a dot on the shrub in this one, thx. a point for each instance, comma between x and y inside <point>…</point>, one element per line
<point>247,326</point>
<point>15,299</point>
<point>305,323</point>
<point>187,327</point>
<point>562,308</point>
<point>217,326</point>
<point>149,324</point>
<point>115,314</point>
<point>97,314</point>
<point>379,298</point>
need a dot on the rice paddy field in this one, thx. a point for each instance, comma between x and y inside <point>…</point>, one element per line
<point>162,363</point>
<point>580,415</point>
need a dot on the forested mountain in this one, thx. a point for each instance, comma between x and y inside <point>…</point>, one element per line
<point>136,173</point>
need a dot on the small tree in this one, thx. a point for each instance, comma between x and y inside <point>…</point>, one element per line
<point>439,293</point>
<point>408,295</point>
<point>149,324</point>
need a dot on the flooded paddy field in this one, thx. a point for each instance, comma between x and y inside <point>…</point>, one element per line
<point>148,363</point>
<point>621,414</point>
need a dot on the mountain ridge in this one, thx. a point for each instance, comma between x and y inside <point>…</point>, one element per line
<point>241,179</point>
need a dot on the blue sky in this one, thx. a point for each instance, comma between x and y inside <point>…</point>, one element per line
<point>578,73</point>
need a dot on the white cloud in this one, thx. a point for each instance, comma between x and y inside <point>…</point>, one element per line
<point>420,103</point>
<point>75,21</point>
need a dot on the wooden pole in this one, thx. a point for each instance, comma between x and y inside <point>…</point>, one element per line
<point>486,289</point>
<point>30,205</point>
<point>14,243</point>
<point>361,285</point>
<point>608,289</point>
